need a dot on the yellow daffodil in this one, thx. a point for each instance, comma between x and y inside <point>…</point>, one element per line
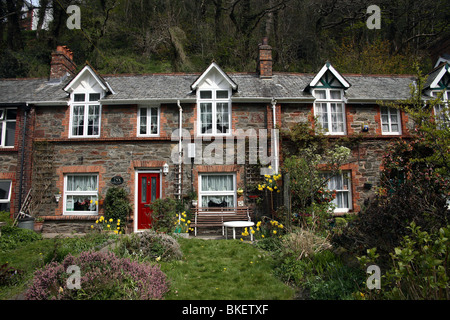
<point>274,231</point>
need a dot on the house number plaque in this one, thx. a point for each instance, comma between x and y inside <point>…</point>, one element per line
<point>117,180</point>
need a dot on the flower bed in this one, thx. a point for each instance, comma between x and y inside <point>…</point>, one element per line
<point>103,276</point>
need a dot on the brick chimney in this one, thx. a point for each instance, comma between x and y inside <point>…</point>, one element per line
<point>264,64</point>
<point>62,63</point>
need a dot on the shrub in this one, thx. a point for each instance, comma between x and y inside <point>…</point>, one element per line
<point>322,276</point>
<point>117,204</point>
<point>13,237</point>
<point>303,243</point>
<point>419,268</point>
<point>104,276</point>
<point>9,276</point>
<point>384,222</point>
<point>150,245</point>
<point>165,214</point>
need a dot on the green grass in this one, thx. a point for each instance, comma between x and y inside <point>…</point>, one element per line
<point>223,270</point>
<point>209,269</point>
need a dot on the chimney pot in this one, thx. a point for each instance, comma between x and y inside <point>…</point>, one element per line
<point>62,63</point>
<point>265,62</point>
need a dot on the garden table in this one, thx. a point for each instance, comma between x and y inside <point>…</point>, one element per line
<point>238,224</point>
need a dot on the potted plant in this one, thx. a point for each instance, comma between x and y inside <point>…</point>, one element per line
<point>38,224</point>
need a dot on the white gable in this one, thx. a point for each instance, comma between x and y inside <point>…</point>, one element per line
<point>214,78</point>
<point>87,81</point>
<point>338,78</point>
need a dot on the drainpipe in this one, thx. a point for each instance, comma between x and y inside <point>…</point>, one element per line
<point>275,142</point>
<point>22,160</point>
<point>180,157</point>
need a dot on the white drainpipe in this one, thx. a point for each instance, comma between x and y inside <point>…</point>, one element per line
<point>180,149</point>
<point>275,141</point>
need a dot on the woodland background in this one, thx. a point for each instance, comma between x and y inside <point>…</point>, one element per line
<point>152,36</point>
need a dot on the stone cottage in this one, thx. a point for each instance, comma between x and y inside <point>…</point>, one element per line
<point>77,133</point>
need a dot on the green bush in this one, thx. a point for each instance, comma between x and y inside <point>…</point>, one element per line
<point>149,245</point>
<point>13,237</point>
<point>419,269</point>
<point>117,204</point>
<point>324,276</point>
<point>165,214</point>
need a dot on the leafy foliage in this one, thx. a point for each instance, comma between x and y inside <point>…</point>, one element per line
<point>13,237</point>
<point>117,204</point>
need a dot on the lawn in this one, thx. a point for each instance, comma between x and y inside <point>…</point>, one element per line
<point>224,270</point>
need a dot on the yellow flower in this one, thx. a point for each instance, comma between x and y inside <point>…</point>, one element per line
<point>111,220</point>
<point>108,226</point>
<point>96,202</point>
<point>280,226</point>
<point>182,220</point>
<point>116,232</point>
<point>92,227</point>
<point>96,221</point>
<point>189,221</point>
<point>118,228</point>
<point>118,220</point>
<point>274,231</point>
<point>90,201</point>
<point>262,236</point>
<point>242,239</point>
<point>253,231</point>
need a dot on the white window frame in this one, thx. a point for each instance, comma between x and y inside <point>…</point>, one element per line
<point>8,200</point>
<point>79,193</point>
<point>202,193</point>
<point>348,190</point>
<point>390,111</point>
<point>148,126</point>
<point>3,124</point>
<point>214,101</point>
<point>329,101</point>
<point>86,103</point>
<point>438,113</point>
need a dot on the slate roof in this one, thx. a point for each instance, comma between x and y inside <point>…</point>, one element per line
<point>170,87</point>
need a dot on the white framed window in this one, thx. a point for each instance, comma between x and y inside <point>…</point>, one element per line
<point>390,121</point>
<point>81,194</point>
<point>7,127</point>
<point>217,190</point>
<point>5,195</point>
<point>214,111</point>
<point>329,108</point>
<point>441,111</point>
<point>341,185</point>
<point>148,121</point>
<point>85,115</point>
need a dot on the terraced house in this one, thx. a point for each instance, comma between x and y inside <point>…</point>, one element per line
<point>72,136</point>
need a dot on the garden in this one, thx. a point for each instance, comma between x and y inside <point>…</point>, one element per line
<point>302,253</point>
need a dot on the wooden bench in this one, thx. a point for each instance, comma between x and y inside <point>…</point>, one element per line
<point>215,217</point>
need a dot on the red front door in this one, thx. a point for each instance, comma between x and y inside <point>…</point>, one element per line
<point>148,191</point>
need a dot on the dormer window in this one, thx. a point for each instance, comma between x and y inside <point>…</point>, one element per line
<point>329,108</point>
<point>214,111</point>
<point>85,111</point>
<point>441,111</point>
<point>214,89</point>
